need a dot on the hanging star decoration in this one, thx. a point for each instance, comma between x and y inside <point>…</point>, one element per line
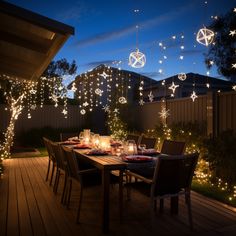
<point>29,116</point>
<point>33,91</point>
<point>54,98</point>
<point>205,36</point>
<point>234,10</point>
<point>193,96</point>
<point>173,87</point>
<point>141,102</point>
<point>137,59</point>
<point>33,107</point>
<point>151,96</point>
<point>234,87</point>
<point>82,112</point>
<point>234,66</point>
<point>164,113</point>
<point>99,92</point>
<point>232,33</point>
<point>122,100</point>
<point>106,108</point>
<point>104,75</point>
<point>207,85</point>
<point>64,112</point>
<point>182,76</point>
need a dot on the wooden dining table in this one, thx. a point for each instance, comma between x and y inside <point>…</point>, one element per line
<point>106,164</point>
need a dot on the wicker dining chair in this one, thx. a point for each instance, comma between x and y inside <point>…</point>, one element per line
<point>82,177</point>
<point>171,147</point>
<point>172,177</point>
<point>51,159</point>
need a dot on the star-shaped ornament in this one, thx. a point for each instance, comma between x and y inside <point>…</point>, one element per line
<point>85,104</point>
<point>193,96</point>
<point>151,96</point>
<point>33,91</point>
<point>232,33</point>
<point>173,87</point>
<point>234,66</point>
<point>104,75</point>
<point>207,85</point>
<point>116,110</point>
<point>54,98</point>
<point>64,112</point>
<point>235,9</point>
<point>234,87</point>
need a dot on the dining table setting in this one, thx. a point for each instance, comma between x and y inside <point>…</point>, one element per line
<point>109,154</point>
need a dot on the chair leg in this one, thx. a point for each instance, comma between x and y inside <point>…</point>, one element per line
<point>128,189</point>
<point>161,209</point>
<point>69,195</point>
<point>53,169</point>
<point>121,195</point>
<point>49,164</point>
<point>188,201</point>
<point>56,183</point>
<point>79,206</point>
<point>64,189</point>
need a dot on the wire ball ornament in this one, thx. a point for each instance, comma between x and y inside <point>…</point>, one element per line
<point>137,59</point>
<point>182,76</point>
<point>122,100</point>
<point>205,36</point>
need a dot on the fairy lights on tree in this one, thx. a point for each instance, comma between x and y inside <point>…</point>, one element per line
<point>20,94</point>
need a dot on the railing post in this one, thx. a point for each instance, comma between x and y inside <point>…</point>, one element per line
<point>212,114</point>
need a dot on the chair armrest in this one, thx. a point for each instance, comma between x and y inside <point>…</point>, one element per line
<point>146,180</point>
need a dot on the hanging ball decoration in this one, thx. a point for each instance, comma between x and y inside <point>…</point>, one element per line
<point>182,76</point>
<point>82,112</point>
<point>122,100</point>
<point>137,59</point>
<point>205,36</point>
<point>98,92</point>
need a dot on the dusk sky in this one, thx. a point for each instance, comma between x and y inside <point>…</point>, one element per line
<point>105,32</point>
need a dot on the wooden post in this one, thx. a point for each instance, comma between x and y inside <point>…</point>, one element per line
<point>212,114</point>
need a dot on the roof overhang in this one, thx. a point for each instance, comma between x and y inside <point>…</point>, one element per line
<point>28,41</point>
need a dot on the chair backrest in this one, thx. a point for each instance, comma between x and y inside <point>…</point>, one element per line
<point>65,136</point>
<point>73,167</point>
<point>173,174</point>
<point>149,142</point>
<point>48,146</point>
<point>173,147</point>
<point>134,137</point>
<point>58,155</point>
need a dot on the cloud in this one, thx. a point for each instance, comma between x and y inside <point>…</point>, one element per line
<point>96,63</point>
<point>192,52</point>
<point>152,74</point>
<point>116,34</point>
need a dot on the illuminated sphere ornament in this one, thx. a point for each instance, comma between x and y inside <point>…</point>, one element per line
<point>205,36</point>
<point>182,76</point>
<point>137,59</point>
<point>82,112</point>
<point>122,100</point>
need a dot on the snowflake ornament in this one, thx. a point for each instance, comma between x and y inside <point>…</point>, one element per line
<point>232,33</point>
<point>106,108</point>
<point>137,59</point>
<point>141,102</point>
<point>164,113</point>
<point>104,75</point>
<point>205,36</point>
<point>234,87</point>
<point>234,66</point>
<point>151,96</point>
<point>64,112</point>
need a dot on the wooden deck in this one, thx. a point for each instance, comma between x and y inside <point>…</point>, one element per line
<point>29,207</point>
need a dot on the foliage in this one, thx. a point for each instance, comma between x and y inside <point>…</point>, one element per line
<point>222,52</point>
<point>116,126</point>
<point>220,152</point>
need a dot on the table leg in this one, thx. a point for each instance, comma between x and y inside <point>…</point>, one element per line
<point>174,203</point>
<point>105,206</point>
<point>121,194</point>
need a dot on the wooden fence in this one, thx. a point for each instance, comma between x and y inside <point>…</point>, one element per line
<point>218,111</point>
